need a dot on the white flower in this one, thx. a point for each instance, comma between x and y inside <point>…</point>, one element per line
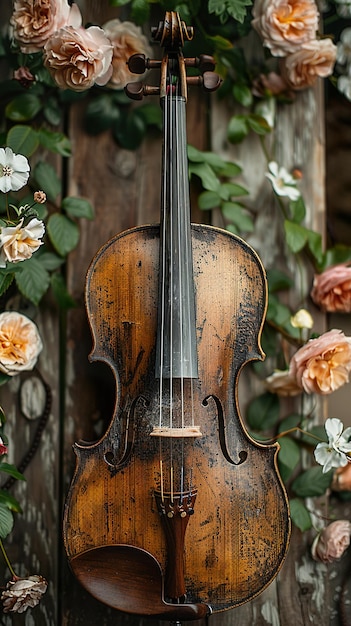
<point>282,182</point>
<point>17,243</point>
<point>335,452</point>
<point>14,170</point>
<point>343,54</point>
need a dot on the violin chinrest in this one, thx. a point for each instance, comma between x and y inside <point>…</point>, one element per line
<point>130,579</point>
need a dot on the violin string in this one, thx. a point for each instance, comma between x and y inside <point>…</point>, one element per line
<point>171,286</point>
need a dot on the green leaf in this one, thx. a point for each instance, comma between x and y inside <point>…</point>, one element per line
<point>237,215</point>
<point>56,142</point>
<point>23,108</point>
<point>300,515</point>
<point>63,233</point>
<point>258,124</point>
<point>315,245</point>
<point>47,179</point>
<point>52,111</point>
<point>338,254</point>
<point>207,176</point>
<point>298,210</point>
<point>33,280</point>
<point>237,129</point>
<point>140,11</point>
<point>151,114</point>
<point>78,207</point>
<point>278,280</point>
<point>208,200</point>
<point>296,236</point>
<point>6,521</point>
<point>50,260</point>
<point>289,456</point>
<point>6,279</point>
<point>312,482</point>
<point>229,8</point>
<point>263,411</point>
<point>130,130</point>
<point>62,296</point>
<point>101,113</point>
<point>22,139</point>
<point>230,190</point>
<point>242,94</point>
<point>11,470</point>
<point>291,421</point>
<point>8,500</point>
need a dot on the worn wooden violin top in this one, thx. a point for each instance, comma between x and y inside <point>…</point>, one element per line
<point>176,511</point>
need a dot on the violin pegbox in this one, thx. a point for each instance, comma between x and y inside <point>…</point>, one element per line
<point>171,34</point>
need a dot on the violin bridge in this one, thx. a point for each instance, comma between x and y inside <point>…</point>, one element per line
<point>188,431</point>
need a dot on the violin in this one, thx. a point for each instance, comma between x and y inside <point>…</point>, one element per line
<point>176,512</point>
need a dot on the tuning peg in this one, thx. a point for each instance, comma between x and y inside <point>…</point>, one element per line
<point>210,81</point>
<point>136,91</point>
<point>204,62</point>
<point>138,63</point>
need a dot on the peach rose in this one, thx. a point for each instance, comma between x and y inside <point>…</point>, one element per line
<point>35,22</point>
<point>18,243</point>
<point>127,39</point>
<point>79,58</point>
<point>342,478</point>
<point>285,24</point>
<point>332,289</point>
<point>20,343</point>
<point>313,59</point>
<point>322,365</point>
<point>332,542</point>
<point>282,383</point>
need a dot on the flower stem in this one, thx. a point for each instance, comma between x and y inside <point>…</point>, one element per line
<point>293,430</point>
<point>7,561</point>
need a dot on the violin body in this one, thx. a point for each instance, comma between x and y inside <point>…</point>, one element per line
<point>127,546</point>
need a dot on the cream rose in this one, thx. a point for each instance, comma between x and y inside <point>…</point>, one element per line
<point>282,383</point>
<point>332,542</point>
<point>314,59</point>
<point>79,58</point>
<point>18,243</point>
<point>322,365</point>
<point>20,343</point>
<point>35,22</point>
<point>331,290</point>
<point>285,24</point>
<point>127,39</point>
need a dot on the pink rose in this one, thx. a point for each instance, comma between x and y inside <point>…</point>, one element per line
<point>285,24</point>
<point>332,289</point>
<point>282,383</point>
<point>127,39</point>
<point>332,542</point>
<point>79,58</point>
<point>35,22</point>
<point>323,365</point>
<point>313,59</point>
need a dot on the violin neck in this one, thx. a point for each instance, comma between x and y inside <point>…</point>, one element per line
<point>176,355</point>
